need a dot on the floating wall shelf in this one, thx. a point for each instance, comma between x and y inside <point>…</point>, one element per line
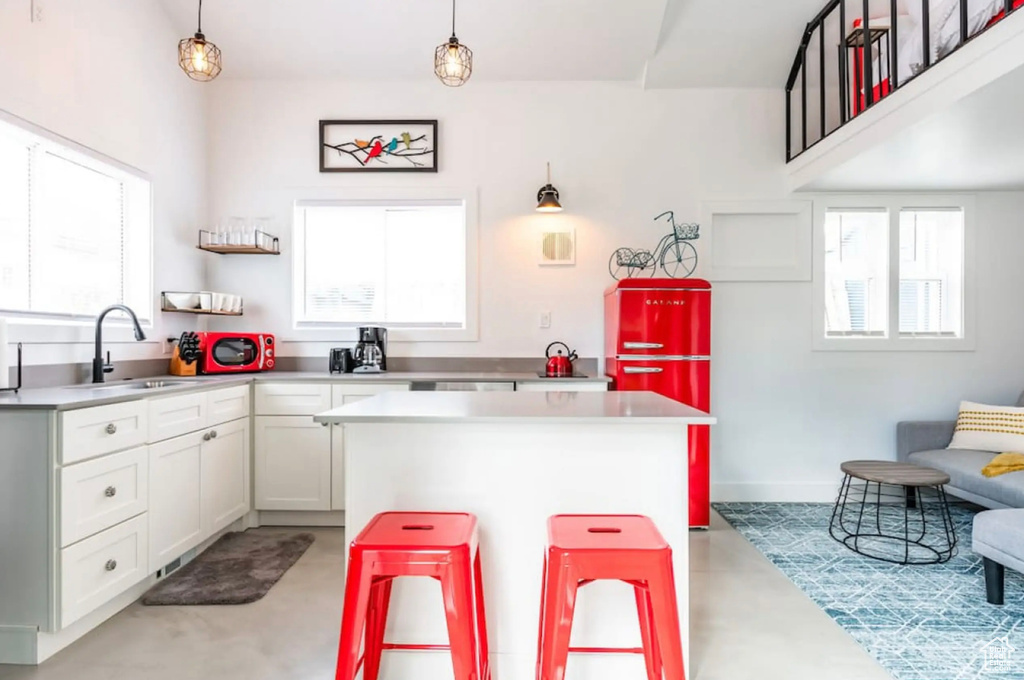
<point>201,302</point>
<point>262,244</point>
<point>208,312</point>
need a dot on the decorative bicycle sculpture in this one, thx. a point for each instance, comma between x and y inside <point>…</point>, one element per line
<point>674,253</point>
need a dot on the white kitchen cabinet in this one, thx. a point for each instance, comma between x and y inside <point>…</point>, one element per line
<point>174,416</point>
<point>341,395</point>
<point>97,494</point>
<point>224,475</point>
<point>90,432</point>
<point>562,386</point>
<point>292,463</point>
<point>230,403</point>
<point>175,520</point>
<point>292,399</point>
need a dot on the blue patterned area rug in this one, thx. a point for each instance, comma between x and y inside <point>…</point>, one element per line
<point>918,622</point>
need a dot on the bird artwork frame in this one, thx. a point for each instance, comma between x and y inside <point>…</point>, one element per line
<point>378,146</point>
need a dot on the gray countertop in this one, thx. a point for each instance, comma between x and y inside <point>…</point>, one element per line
<point>80,396</point>
<point>536,407</point>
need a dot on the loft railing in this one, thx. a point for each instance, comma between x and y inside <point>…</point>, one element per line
<point>867,43</point>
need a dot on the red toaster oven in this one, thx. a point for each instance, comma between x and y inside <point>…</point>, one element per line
<point>236,352</point>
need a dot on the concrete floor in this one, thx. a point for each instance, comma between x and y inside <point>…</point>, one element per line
<point>748,620</point>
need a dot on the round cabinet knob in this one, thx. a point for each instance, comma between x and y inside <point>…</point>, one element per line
<point>111,428</point>
<point>207,437</point>
<point>325,424</point>
<point>111,565</point>
<point>110,491</point>
<point>213,434</point>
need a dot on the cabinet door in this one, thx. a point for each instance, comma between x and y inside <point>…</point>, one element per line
<point>97,494</point>
<point>224,475</point>
<point>175,523</point>
<point>228,404</point>
<point>349,394</point>
<point>293,464</point>
<point>292,399</point>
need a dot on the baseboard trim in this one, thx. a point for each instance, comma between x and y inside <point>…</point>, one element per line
<point>296,518</point>
<point>774,493</point>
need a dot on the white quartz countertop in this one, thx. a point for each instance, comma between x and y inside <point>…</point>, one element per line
<point>537,407</point>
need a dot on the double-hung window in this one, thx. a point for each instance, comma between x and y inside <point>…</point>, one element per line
<point>75,230</point>
<point>399,263</point>
<point>892,273</point>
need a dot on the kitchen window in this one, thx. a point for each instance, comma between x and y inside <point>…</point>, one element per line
<point>399,263</point>
<point>893,273</point>
<point>76,230</point>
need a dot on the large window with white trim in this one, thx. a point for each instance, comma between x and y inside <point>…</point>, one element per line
<point>395,263</point>
<point>75,230</point>
<point>892,273</point>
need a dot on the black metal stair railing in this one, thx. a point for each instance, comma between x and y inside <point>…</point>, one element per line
<point>864,38</point>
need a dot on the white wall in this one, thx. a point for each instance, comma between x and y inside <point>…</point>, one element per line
<point>788,415</point>
<point>104,74</point>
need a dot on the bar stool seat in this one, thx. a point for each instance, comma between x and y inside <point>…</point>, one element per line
<point>442,546</point>
<point>586,548</point>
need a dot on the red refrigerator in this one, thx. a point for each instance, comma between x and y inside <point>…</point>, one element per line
<point>658,339</point>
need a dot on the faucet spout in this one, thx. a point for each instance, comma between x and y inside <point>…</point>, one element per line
<point>99,366</point>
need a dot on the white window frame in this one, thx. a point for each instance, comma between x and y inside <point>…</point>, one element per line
<point>343,333</point>
<point>891,341</point>
<point>46,328</point>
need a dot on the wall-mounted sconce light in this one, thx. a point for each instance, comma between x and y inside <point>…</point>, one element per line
<point>547,197</point>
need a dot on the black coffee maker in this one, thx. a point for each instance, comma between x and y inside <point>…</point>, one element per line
<point>371,351</point>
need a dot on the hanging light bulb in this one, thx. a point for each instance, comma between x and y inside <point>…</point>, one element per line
<point>547,197</point>
<point>453,62</point>
<point>198,58</point>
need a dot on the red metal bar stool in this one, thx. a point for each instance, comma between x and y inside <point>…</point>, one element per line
<point>443,546</point>
<point>587,548</point>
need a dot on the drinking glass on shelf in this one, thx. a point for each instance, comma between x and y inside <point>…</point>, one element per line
<point>236,231</point>
<point>261,232</point>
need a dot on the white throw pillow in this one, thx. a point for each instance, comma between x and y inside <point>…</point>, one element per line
<point>981,427</point>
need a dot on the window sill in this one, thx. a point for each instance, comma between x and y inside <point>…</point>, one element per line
<point>860,344</point>
<point>50,331</point>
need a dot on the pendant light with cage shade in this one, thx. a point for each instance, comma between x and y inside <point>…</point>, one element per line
<point>199,58</point>
<point>453,61</point>
<point>547,197</point>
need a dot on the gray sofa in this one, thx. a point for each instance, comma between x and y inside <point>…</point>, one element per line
<point>998,534</point>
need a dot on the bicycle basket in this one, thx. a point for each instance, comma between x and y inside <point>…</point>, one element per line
<point>687,232</point>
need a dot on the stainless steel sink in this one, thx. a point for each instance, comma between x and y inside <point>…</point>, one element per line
<point>134,385</point>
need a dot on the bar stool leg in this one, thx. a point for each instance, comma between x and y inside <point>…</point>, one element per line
<point>376,623</point>
<point>481,620</point>
<point>559,607</point>
<point>666,620</point>
<point>357,596</point>
<point>457,589</point>
<point>652,655</point>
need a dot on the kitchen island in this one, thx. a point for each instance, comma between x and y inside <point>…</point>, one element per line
<point>513,459</point>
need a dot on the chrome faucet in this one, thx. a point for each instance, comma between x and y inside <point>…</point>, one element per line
<point>99,366</point>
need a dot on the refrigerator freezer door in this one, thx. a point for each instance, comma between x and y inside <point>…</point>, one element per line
<point>664,322</point>
<point>690,383</point>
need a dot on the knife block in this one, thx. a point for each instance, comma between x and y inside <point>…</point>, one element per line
<point>179,367</point>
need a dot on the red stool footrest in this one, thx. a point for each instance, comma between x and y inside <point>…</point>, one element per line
<point>443,546</point>
<point>629,548</point>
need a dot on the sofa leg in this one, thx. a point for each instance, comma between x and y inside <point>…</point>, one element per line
<point>994,573</point>
<point>911,497</point>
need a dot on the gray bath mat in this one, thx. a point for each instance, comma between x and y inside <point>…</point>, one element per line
<point>238,569</point>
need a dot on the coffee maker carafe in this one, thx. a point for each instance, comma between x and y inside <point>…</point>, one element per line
<point>371,352</point>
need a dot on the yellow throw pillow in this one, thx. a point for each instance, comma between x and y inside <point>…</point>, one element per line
<point>1004,463</point>
<point>981,427</point>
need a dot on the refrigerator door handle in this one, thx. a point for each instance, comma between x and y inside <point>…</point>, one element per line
<point>641,369</point>
<point>642,345</point>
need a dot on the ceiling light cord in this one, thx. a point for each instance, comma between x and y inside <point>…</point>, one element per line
<point>200,21</point>
<point>453,18</point>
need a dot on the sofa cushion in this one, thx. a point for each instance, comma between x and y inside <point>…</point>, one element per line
<point>999,535</point>
<point>981,427</point>
<point>964,469</point>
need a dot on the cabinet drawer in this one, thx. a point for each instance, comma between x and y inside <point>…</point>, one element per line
<point>339,392</point>
<point>100,493</point>
<point>292,399</point>
<point>91,432</point>
<point>174,416</point>
<point>228,404</point>
<point>101,567</point>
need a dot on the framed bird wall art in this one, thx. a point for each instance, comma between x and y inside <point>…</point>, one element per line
<point>378,146</point>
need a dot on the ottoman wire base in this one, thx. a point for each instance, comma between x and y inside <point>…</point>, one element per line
<point>895,523</point>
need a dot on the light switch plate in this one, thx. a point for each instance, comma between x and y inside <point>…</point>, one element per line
<point>545,319</point>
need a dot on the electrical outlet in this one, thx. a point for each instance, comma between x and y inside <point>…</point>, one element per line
<point>167,346</point>
<point>545,319</point>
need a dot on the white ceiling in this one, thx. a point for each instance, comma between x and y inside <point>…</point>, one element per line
<point>718,43</point>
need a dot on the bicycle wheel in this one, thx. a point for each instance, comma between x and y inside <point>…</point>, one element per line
<point>679,259</point>
<point>619,264</point>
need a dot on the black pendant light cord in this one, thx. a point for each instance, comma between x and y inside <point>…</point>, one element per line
<point>200,22</point>
<point>453,17</point>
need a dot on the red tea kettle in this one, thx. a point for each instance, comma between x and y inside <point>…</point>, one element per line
<point>559,365</point>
